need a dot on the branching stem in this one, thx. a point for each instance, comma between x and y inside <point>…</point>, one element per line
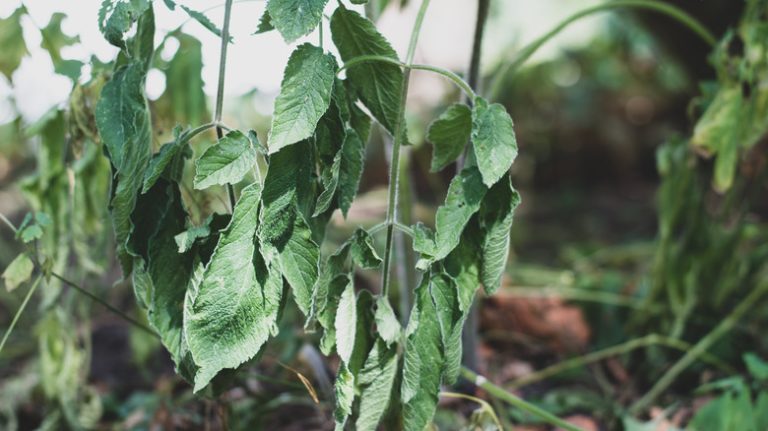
<point>397,142</point>
<point>20,311</point>
<point>456,79</point>
<point>516,401</point>
<point>750,301</point>
<point>664,8</point>
<point>220,86</point>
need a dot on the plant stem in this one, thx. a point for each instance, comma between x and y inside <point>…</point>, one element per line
<point>397,141</point>
<point>516,401</point>
<point>701,347</point>
<point>20,311</point>
<point>8,223</point>
<point>664,8</point>
<point>106,305</point>
<point>438,70</point>
<point>406,269</point>
<point>469,334</point>
<point>648,340</point>
<point>220,87</point>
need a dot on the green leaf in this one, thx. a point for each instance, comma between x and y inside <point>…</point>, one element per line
<point>18,271</point>
<point>236,308</point>
<point>449,134</point>
<point>116,17</point>
<point>265,23</point>
<point>423,361</point>
<point>204,21</point>
<point>387,325</point>
<point>493,139</point>
<point>53,40</point>
<point>330,179</point>
<point>12,41</point>
<point>350,170</point>
<point>363,252</point>
<point>496,217</point>
<point>345,396</point>
<point>162,159</point>
<point>379,85</point>
<point>757,367</point>
<point>346,323</point>
<point>445,295</point>
<point>184,100</point>
<point>169,271</point>
<point>227,162</point>
<point>305,95</point>
<point>124,124</point>
<point>295,18</point>
<point>465,195</point>
<point>376,381</point>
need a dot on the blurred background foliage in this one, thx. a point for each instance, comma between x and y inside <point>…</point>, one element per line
<point>641,242</point>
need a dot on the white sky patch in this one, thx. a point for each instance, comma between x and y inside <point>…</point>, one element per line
<point>257,61</point>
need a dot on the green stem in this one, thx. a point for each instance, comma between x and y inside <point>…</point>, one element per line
<point>516,401</point>
<point>397,141</point>
<point>8,223</point>
<point>657,6</point>
<point>106,305</point>
<point>648,340</point>
<point>749,302</point>
<point>20,311</point>
<point>456,79</point>
<point>220,86</point>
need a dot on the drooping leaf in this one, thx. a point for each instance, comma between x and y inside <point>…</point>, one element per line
<point>376,381</point>
<point>160,161</point>
<point>493,140</point>
<point>345,396</point>
<point>236,307</point>
<point>53,40</point>
<point>227,162</point>
<point>265,23</point>
<point>284,230</point>
<point>362,251</point>
<point>18,271</point>
<point>346,323</point>
<point>295,18</point>
<point>330,179</point>
<point>204,21</point>
<point>350,170</point>
<point>465,194</point>
<point>168,271</point>
<point>116,17</point>
<point>123,119</point>
<point>184,100</point>
<point>449,135</point>
<point>305,94</point>
<point>496,217</point>
<point>378,85</point>
<point>387,325</point>
<point>12,41</point>
<point>451,319</point>
<point>423,361</point>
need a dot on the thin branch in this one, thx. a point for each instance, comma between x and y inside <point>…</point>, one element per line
<point>220,87</point>
<point>20,311</point>
<point>579,361</point>
<point>516,401</point>
<point>749,302</point>
<point>664,8</point>
<point>106,305</point>
<point>8,223</point>
<point>394,169</point>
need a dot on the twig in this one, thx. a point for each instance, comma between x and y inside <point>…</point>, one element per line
<point>516,401</point>
<point>701,347</point>
<point>657,6</point>
<point>20,311</point>
<point>648,340</point>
